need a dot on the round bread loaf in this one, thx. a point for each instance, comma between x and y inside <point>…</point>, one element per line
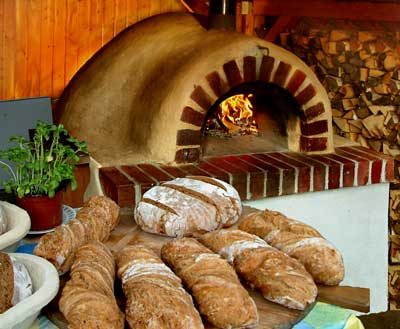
<point>188,207</point>
<point>3,221</point>
<point>15,282</point>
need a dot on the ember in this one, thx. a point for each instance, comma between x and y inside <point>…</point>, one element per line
<point>234,117</point>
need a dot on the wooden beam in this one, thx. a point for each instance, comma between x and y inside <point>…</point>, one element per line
<point>360,10</point>
<point>200,7</point>
<point>279,27</point>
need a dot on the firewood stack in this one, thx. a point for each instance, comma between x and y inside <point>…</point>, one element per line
<point>361,73</point>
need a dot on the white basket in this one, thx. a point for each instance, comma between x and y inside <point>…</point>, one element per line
<point>45,287</point>
<point>18,226</point>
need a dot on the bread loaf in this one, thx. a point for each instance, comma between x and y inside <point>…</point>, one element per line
<point>301,241</point>
<point>280,279</point>
<point>15,282</point>
<point>188,206</point>
<point>220,297</point>
<point>94,221</point>
<point>87,299</point>
<point>3,220</point>
<point>155,297</point>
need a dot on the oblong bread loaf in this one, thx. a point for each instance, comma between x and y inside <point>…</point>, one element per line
<point>300,241</point>
<point>213,283</point>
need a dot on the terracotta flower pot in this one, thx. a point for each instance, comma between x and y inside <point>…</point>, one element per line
<point>45,212</point>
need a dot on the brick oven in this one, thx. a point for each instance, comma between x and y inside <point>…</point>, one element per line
<point>147,104</point>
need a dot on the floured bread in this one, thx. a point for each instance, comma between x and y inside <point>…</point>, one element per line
<point>87,299</point>
<point>188,206</point>
<point>280,278</point>
<point>15,282</point>
<point>94,221</point>
<point>214,284</point>
<point>155,297</point>
<point>299,240</point>
<point>3,220</point>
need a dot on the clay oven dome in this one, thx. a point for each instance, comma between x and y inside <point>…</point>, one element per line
<point>145,95</point>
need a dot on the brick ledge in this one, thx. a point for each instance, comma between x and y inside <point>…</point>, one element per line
<point>260,175</point>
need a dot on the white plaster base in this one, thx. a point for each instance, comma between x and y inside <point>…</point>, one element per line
<point>355,220</point>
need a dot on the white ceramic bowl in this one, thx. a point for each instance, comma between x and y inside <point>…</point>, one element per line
<point>18,226</point>
<point>45,287</point>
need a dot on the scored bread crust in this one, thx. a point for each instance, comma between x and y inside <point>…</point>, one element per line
<point>280,278</point>
<point>188,206</point>
<point>94,221</point>
<point>6,282</point>
<point>155,297</point>
<point>220,297</point>
<point>87,299</point>
<point>300,241</point>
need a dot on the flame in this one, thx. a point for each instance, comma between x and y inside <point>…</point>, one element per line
<point>236,114</point>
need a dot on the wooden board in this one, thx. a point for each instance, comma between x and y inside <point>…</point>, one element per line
<point>271,315</point>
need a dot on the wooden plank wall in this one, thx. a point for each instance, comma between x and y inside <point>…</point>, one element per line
<point>44,42</point>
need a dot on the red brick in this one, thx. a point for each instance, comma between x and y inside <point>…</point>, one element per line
<point>188,155</point>
<point>188,137</point>
<point>214,171</point>
<point>215,83</point>
<point>363,165</point>
<point>117,187</point>
<point>389,168</point>
<point>334,171</point>
<point>303,180</point>
<point>232,73</point>
<point>313,111</point>
<point>306,94</point>
<point>238,176</point>
<point>295,81</point>
<point>288,179</point>
<point>257,176</point>
<point>266,67</point>
<point>193,170</point>
<point>249,68</point>
<point>201,98</point>
<point>140,178</point>
<point>173,171</point>
<point>376,166</point>
<point>319,170</point>
<point>191,116</point>
<point>281,73</point>
<point>314,128</point>
<point>155,172</point>
<point>273,174</point>
<point>308,144</point>
<point>348,169</point>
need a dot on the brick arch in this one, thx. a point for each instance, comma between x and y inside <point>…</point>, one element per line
<point>314,129</point>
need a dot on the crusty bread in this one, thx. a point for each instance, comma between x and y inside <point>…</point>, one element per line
<point>3,220</point>
<point>94,221</point>
<point>6,282</point>
<point>87,299</point>
<point>280,279</point>
<point>220,297</point>
<point>155,297</point>
<point>188,206</point>
<point>15,282</point>
<point>301,241</point>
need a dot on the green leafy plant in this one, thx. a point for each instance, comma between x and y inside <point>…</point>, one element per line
<point>43,164</point>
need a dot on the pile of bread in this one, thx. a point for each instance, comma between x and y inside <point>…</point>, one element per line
<point>198,275</point>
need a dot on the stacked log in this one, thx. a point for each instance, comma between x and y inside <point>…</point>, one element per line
<point>361,73</point>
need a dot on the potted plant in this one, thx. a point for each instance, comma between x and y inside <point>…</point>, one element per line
<point>43,166</point>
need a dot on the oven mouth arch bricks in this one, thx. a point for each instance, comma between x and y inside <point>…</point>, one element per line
<point>144,96</point>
